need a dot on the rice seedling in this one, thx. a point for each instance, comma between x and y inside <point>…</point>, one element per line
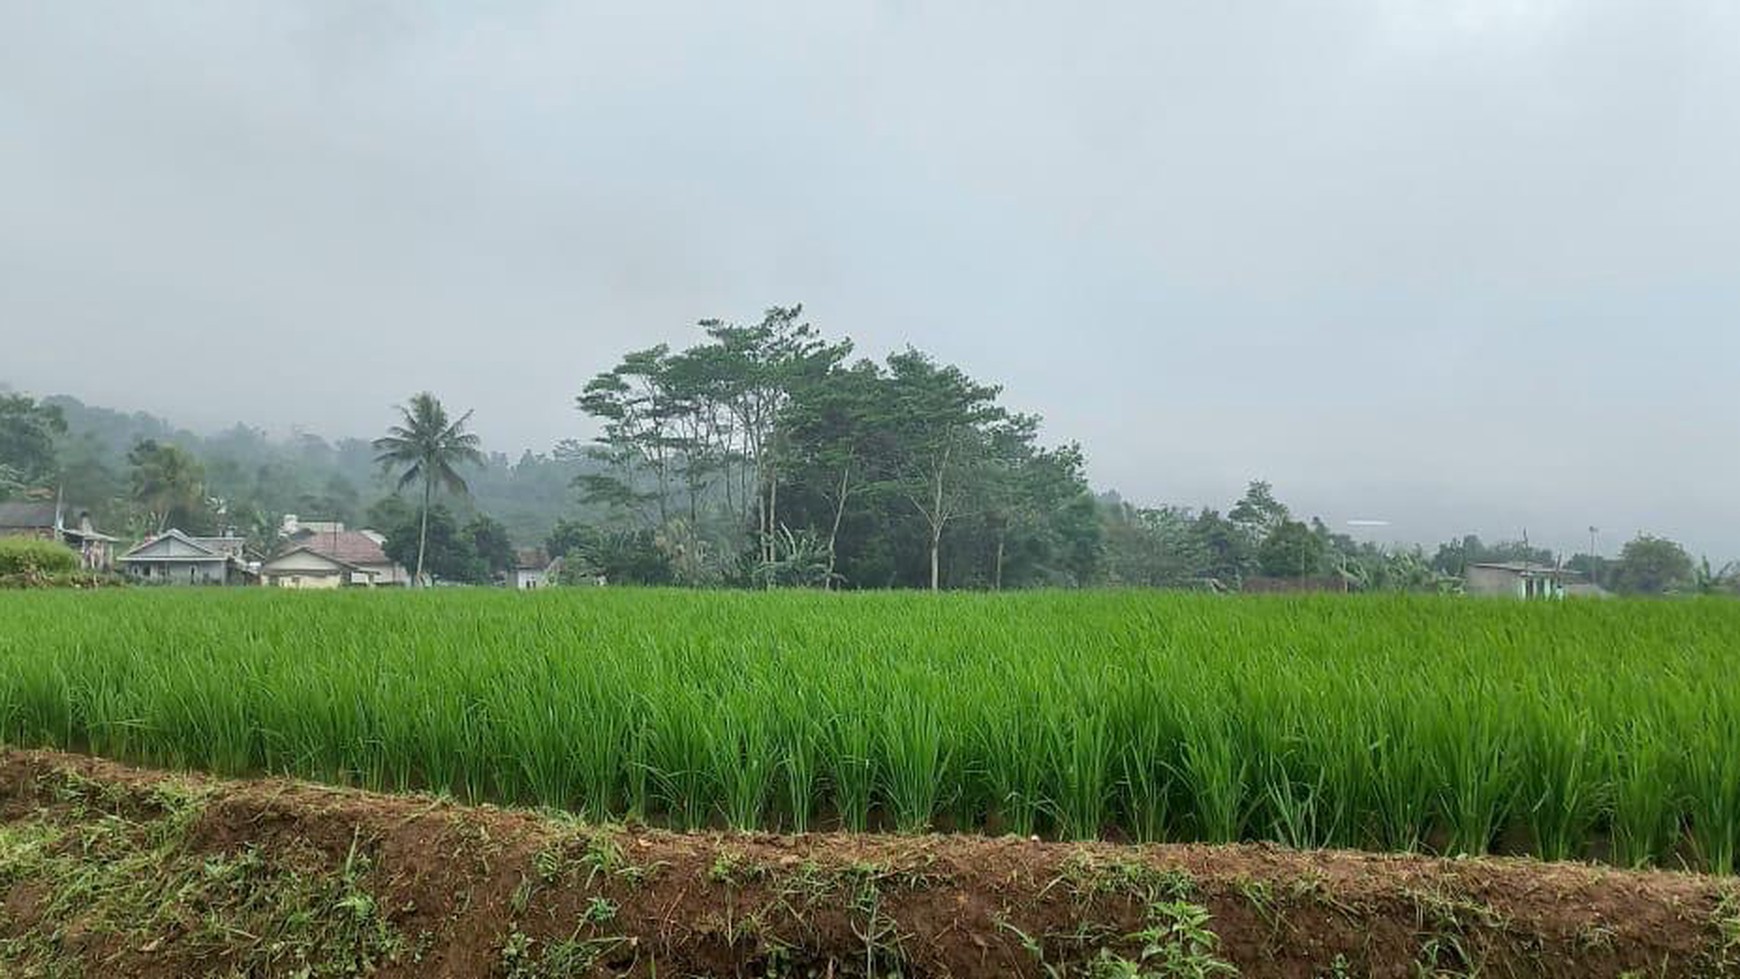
<point>1377,722</point>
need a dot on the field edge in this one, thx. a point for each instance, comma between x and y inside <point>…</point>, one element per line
<point>114,870</point>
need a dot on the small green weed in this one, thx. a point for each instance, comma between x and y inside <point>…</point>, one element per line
<point>1178,943</point>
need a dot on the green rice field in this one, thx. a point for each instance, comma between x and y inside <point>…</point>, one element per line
<point>1597,730</point>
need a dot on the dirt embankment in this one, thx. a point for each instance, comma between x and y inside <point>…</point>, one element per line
<point>111,871</point>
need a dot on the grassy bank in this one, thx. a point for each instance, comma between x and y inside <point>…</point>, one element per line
<point>111,871</point>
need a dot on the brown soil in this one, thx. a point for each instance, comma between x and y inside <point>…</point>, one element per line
<point>275,877</point>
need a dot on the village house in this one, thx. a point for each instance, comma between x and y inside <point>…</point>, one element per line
<point>54,521</point>
<point>532,569</point>
<point>1517,579</point>
<point>304,567</point>
<point>326,555</point>
<point>175,558</point>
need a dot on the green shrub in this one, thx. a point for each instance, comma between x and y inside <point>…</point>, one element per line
<point>61,579</point>
<point>28,556</point>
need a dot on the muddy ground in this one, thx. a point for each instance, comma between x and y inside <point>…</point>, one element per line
<point>113,871</point>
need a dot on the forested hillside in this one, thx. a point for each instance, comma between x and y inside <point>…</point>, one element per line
<point>257,478</point>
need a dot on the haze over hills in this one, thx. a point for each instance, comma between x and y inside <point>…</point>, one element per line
<point>300,472</point>
<point>530,490</point>
<point>1466,267</point>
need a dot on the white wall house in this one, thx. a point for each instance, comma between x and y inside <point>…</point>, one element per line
<point>1518,579</point>
<point>362,549</point>
<point>532,569</point>
<point>303,567</point>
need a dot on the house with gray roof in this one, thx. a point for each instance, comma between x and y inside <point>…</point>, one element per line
<point>175,558</point>
<point>56,521</point>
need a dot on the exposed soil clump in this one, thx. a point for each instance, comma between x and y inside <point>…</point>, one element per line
<point>111,871</point>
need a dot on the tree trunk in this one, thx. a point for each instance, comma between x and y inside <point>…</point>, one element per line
<point>423,534</point>
<point>694,485</point>
<point>997,574</point>
<point>834,531</point>
<point>772,511</point>
<point>761,528</point>
<point>938,518</point>
<point>935,564</point>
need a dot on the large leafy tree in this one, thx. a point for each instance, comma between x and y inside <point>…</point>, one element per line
<point>1290,550</point>
<point>1258,513</point>
<point>1226,551</point>
<point>569,536</point>
<point>444,547</point>
<point>637,447</point>
<point>428,447</point>
<point>760,456</point>
<point>28,429</point>
<point>489,541</point>
<point>168,486</point>
<point>756,369</point>
<point>1154,547</point>
<point>839,446</point>
<point>940,419</point>
<point>1652,566</point>
<point>1039,520</point>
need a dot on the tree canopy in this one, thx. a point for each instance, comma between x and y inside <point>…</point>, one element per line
<point>427,448</point>
<point>28,430</point>
<point>763,455</point>
<point>1651,565</point>
<point>168,484</point>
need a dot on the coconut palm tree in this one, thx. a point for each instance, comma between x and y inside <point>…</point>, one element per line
<point>427,446</point>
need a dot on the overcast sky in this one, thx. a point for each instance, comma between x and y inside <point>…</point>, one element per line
<point>1463,266</point>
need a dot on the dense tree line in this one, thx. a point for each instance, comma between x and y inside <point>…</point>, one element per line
<point>764,454</point>
<point>1259,540</point>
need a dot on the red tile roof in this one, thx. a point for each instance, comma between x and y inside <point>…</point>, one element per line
<point>351,546</point>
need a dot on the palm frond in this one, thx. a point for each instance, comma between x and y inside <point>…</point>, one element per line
<point>449,477</point>
<point>425,445</point>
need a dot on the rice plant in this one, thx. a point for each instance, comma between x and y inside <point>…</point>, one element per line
<point>1571,730</point>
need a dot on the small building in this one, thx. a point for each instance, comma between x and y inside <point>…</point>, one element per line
<point>304,567</point>
<point>1517,579</point>
<point>362,549</point>
<point>69,525</point>
<point>175,558</point>
<point>532,569</point>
